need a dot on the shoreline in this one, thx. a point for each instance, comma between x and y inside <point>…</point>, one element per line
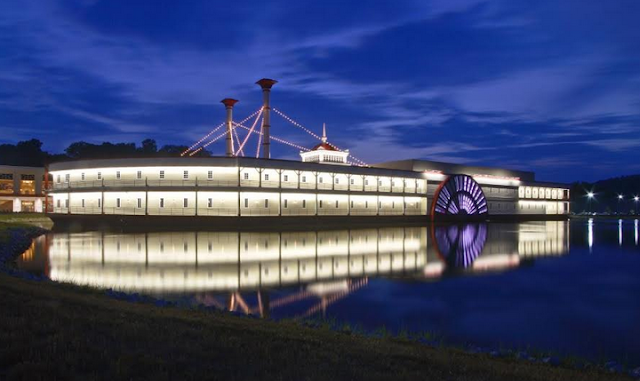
<point>376,357</point>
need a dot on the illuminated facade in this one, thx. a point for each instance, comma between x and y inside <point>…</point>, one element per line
<point>21,189</point>
<point>246,187</point>
<point>233,187</point>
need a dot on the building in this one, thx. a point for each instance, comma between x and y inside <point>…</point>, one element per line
<point>21,189</point>
<point>323,186</point>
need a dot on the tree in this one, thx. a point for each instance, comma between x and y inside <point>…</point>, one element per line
<point>149,147</point>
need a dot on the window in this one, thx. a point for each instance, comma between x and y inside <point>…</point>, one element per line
<point>83,202</point>
<point>379,182</point>
<point>393,183</point>
<point>337,180</point>
<point>366,204</point>
<point>139,175</point>
<point>246,176</point>
<point>246,202</point>
<point>99,176</point>
<point>162,202</point>
<point>210,203</point>
<point>82,176</point>
<point>66,203</point>
<point>162,174</point>
<point>320,203</point>
<point>266,202</point>
<point>185,202</point>
<point>351,204</point>
<point>366,182</point>
<point>139,203</point>
<point>99,203</point>
<point>58,179</point>
<point>118,175</point>
<point>118,204</point>
<point>304,203</point>
<point>66,178</point>
<point>266,177</point>
<point>320,180</point>
<point>185,175</point>
<point>58,204</point>
<point>336,203</point>
<point>285,203</point>
<point>210,175</point>
<point>353,181</point>
<point>304,179</point>
<point>286,177</point>
<point>393,204</point>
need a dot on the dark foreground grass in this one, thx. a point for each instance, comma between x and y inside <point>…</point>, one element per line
<point>56,331</point>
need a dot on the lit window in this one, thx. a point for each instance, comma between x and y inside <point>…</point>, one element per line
<point>162,174</point>
<point>185,175</point>
<point>118,203</point>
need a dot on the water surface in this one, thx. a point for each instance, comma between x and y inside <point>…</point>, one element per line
<point>572,288</point>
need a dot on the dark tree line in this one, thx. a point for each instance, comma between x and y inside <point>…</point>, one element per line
<point>29,153</point>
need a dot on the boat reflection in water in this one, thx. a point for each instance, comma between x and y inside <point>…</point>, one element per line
<point>222,268</point>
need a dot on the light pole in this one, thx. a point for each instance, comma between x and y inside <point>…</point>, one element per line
<point>619,200</point>
<point>589,198</point>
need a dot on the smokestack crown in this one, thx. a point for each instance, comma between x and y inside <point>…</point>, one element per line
<point>266,83</point>
<point>228,102</point>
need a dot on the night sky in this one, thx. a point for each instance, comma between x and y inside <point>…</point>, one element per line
<point>546,85</point>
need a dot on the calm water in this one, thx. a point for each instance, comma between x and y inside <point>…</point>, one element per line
<point>572,287</point>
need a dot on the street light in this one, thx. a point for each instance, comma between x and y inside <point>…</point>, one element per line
<point>636,199</point>
<point>589,198</point>
<point>619,199</point>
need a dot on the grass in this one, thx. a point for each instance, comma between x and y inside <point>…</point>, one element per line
<point>61,331</point>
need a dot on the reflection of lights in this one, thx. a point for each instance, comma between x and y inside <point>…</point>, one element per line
<point>461,244</point>
<point>590,233</point>
<point>635,230</point>
<point>620,232</point>
<point>496,262</point>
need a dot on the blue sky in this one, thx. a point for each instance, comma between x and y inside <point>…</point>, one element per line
<point>552,86</point>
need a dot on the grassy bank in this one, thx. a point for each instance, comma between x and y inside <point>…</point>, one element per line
<point>54,331</point>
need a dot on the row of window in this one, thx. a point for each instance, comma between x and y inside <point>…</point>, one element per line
<point>9,176</point>
<point>185,176</point>
<point>185,203</point>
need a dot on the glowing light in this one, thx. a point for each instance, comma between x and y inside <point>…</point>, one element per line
<point>635,230</point>
<point>590,194</point>
<point>620,232</point>
<point>253,126</point>
<point>216,129</point>
<point>620,197</point>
